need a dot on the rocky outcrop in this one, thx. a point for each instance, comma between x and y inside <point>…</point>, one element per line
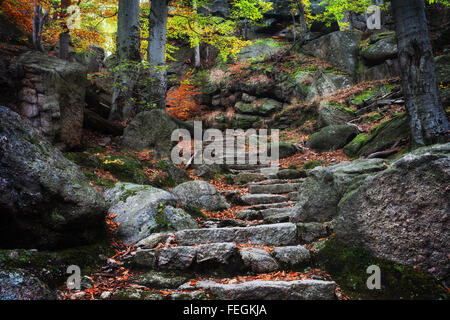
<point>330,114</point>
<point>45,199</point>
<point>325,83</point>
<point>340,48</point>
<point>383,48</point>
<point>51,96</point>
<point>332,137</point>
<point>143,210</point>
<point>150,129</point>
<point>325,186</point>
<point>401,214</point>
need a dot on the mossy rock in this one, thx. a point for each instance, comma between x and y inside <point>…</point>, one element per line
<point>386,133</point>
<point>126,169</point>
<point>51,267</point>
<point>172,175</point>
<point>348,265</point>
<point>332,138</point>
<point>246,177</point>
<point>83,159</point>
<point>308,165</point>
<point>361,97</point>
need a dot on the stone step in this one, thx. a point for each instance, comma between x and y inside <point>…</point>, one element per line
<point>224,257</point>
<point>273,188</point>
<point>278,218</point>
<point>252,199</point>
<point>250,215</point>
<point>259,207</point>
<point>275,181</point>
<point>268,290</point>
<point>282,234</point>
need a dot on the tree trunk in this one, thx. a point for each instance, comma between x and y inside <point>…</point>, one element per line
<point>127,48</point>
<point>64,37</point>
<point>157,51</point>
<point>39,18</point>
<point>428,121</point>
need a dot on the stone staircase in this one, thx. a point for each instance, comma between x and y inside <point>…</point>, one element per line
<point>223,252</point>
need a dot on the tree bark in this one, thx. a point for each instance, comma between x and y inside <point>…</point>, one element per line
<point>64,37</point>
<point>39,18</point>
<point>157,51</point>
<point>428,121</point>
<point>127,48</point>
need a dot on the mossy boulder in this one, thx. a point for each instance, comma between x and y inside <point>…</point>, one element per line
<point>348,264</point>
<point>383,135</point>
<point>285,149</point>
<point>403,207</point>
<point>308,165</point>
<point>261,48</point>
<point>143,210</point>
<point>45,200</point>
<point>262,107</point>
<point>200,195</point>
<point>246,177</point>
<point>324,187</point>
<point>125,169</point>
<point>383,49</point>
<point>332,138</point>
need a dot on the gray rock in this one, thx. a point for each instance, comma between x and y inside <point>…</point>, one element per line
<point>312,231</point>
<point>258,260</point>
<point>216,254</point>
<point>161,280</point>
<point>290,174</point>
<point>45,200</point>
<point>443,67</point>
<point>381,50</point>
<point>273,235</point>
<point>177,258</point>
<point>251,199</point>
<point>325,186</point>
<point>201,195</point>
<point>333,115</point>
<point>291,256</point>
<point>145,258</point>
<point>401,214</point>
<point>152,240</point>
<point>324,84</point>
<point>20,285</point>
<point>249,215</point>
<point>332,138</point>
<point>143,210</point>
<point>269,290</point>
<point>273,188</point>
<point>385,70</point>
<point>340,48</point>
<point>259,49</point>
<point>279,217</point>
<point>150,129</point>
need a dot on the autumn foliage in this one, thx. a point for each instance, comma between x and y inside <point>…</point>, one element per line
<point>19,12</point>
<point>181,103</point>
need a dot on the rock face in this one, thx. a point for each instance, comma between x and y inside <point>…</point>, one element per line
<point>45,199</point>
<point>324,84</point>
<point>21,285</point>
<point>143,210</point>
<point>332,137</point>
<point>340,48</point>
<point>150,129</point>
<point>330,115</point>
<point>260,48</point>
<point>401,214</point>
<point>325,186</point>
<point>52,96</point>
<point>201,195</point>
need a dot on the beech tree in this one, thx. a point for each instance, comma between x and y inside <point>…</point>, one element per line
<point>157,51</point>
<point>428,121</point>
<point>128,49</point>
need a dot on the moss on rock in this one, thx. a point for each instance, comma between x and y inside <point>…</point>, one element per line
<point>348,265</point>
